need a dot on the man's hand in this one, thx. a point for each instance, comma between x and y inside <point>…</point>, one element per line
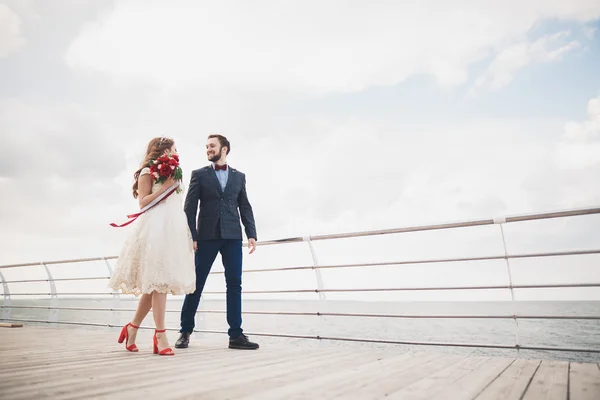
<point>251,245</point>
<point>195,246</point>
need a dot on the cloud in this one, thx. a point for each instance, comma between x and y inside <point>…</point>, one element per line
<point>517,56</point>
<point>350,173</point>
<point>55,140</point>
<point>569,176</point>
<point>60,170</point>
<point>356,173</point>
<point>311,47</point>
<point>590,31</point>
<point>359,173</point>
<point>10,31</point>
<point>579,148</point>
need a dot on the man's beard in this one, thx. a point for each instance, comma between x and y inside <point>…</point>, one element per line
<point>215,157</point>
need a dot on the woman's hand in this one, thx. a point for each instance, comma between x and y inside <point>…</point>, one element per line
<point>168,182</point>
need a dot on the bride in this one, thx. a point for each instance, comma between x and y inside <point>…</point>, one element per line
<point>158,256</point>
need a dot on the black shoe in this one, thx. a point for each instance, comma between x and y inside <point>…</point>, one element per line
<point>183,341</point>
<point>241,342</point>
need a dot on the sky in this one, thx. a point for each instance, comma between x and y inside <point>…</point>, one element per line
<point>344,116</point>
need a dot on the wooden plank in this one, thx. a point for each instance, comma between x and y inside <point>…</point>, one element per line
<point>10,325</point>
<point>122,363</point>
<point>240,382</point>
<point>61,373</point>
<point>88,352</point>
<point>119,372</point>
<point>430,385</point>
<point>472,383</point>
<point>65,363</point>
<point>30,358</point>
<point>116,378</point>
<point>111,380</point>
<point>335,382</point>
<point>584,381</point>
<point>383,384</point>
<point>512,383</point>
<point>189,380</point>
<point>549,382</point>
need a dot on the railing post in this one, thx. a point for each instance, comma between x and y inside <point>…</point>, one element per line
<point>52,312</point>
<point>500,221</point>
<point>6,311</point>
<point>200,316</point>
<point>320,284</point>
<point>116,297</point>
<point>313,253</point>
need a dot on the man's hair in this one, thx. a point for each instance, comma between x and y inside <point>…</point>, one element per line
<point>222,141</point>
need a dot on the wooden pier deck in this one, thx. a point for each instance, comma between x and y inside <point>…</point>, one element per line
<point>78,363</point>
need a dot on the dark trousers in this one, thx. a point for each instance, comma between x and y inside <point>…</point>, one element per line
<point>231,255</point>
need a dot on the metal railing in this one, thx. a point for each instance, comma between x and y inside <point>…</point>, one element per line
<point>321,290</point>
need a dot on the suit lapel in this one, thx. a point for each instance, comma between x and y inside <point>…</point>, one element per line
<point>230,178</point>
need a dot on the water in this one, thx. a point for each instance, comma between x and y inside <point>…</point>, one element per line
<point>564,333</point>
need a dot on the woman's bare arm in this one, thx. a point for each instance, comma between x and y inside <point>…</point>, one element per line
<point>145,195</point>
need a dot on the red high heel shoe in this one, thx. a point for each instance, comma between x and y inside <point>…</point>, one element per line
<point>164,352</point>
<point>124,336</point>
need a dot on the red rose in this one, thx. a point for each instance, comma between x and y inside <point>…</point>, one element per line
<point>165,166</point>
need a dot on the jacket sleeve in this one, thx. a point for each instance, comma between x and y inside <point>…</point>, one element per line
<point>191,204</point>
<point>246,211</point>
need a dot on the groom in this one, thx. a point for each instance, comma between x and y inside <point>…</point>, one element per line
<point>221,191</point>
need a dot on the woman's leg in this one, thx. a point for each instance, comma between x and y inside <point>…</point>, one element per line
<point>159,307</point>
<point>143,308</point>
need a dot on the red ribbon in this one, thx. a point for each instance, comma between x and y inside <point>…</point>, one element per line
<point>154,202</point>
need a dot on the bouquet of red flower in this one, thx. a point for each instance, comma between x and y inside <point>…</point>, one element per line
<point>165,166</point>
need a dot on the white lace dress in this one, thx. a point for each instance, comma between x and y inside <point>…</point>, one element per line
<point>158,253</point>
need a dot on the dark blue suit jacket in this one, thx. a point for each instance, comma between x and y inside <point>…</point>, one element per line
<point>218,217</point>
